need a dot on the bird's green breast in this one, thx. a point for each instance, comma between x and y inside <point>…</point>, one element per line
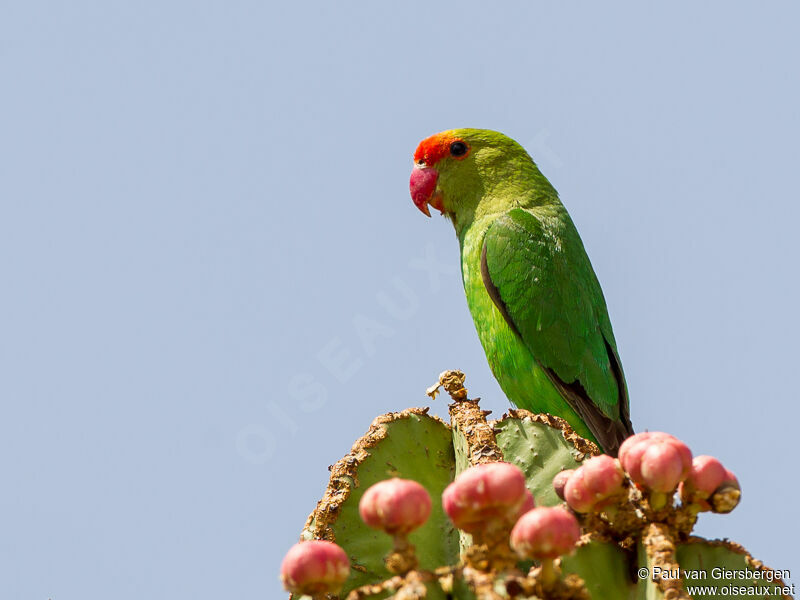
<point>513,365</point>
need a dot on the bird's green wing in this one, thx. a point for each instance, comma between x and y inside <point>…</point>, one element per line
<point>537,273</point>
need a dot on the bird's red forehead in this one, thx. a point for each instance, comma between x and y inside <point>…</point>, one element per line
<point>434,148</point>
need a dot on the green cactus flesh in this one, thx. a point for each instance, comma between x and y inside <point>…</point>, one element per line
<point>709,568</point>
<point>712,563</point>
<point>415,446</point>
<point>604,568</point>
<point>541,451</point>
<point>461,449</point>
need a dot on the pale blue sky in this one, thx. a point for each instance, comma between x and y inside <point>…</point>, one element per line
<point>200,202</point>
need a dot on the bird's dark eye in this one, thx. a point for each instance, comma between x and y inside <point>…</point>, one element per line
<point>458,148</point>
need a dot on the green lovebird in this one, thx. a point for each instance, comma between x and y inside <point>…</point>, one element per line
<point>535,299</point>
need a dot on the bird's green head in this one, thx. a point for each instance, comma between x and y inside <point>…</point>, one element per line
<point>465,172</point>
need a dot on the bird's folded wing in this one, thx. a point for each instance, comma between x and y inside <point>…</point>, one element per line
<point>537,273</point>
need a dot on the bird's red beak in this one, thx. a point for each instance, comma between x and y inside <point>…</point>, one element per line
<point>423,188</point>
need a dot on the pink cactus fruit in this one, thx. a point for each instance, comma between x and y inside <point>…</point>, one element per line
<point>545,533</point>
<point>485,496</point>
<point>705,476</point>
<point>315,567</point>
<point>576,493</point>
<point>396,506</point>
<point>594,483</point>
<point>631,449</point>
<point>560,481</point>
<point>528,504</point>
<point>656,460</point>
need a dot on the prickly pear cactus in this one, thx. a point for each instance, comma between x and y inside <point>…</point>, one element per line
<point>409,444</point>
<point>635,545</point>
